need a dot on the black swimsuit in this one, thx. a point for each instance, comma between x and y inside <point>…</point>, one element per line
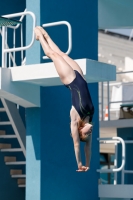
<point>81,99</point>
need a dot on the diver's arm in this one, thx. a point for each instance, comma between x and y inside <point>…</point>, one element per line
<point>76,142</point>
<point>87,149</point>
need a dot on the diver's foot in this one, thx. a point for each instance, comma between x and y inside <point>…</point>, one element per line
<point>38,33</point>
<point>44,33</point>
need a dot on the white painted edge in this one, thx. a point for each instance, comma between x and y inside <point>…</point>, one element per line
<point>39,71</point>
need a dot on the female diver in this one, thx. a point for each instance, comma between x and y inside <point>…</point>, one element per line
<point>82,109</point>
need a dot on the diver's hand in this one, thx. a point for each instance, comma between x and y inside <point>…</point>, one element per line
<point>82,169</point>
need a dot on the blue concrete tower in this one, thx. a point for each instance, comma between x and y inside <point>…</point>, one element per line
<point>51,164</point>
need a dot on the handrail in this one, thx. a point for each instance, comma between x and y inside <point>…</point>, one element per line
<point>109,102</point>
<point>4,49</point>
<point>9,52</point>
<point>13,27</point>
<point>114,140</point>
<point>33,38</point>
<point>21,18</point>
<point>69,34</point>
<point>115,170</point>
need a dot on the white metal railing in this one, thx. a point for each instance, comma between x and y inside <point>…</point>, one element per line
<point>11,58</point>
<point>115,170</point>
<point>108,86</point>
<point>69,33</point>
<point>5,47</point>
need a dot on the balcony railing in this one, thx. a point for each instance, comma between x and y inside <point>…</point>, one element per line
<point>113,94</point>
<point>116,169</point>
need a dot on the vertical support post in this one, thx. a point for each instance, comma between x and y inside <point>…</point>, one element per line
<point>115,164</point>
<point>108,91</point>
<point>33,120</point>
<point>14,39</point>
<point>9,60</point>
<point>33,168</point>
<point>21,30</point>
<point>109,175</point>
<point>102,99</point>
<point>3,46</point>
<point>122,177</point>
<point>122,173</point>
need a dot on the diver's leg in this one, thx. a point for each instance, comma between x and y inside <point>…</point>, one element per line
<point>55,48</point>
<point>64,70</point>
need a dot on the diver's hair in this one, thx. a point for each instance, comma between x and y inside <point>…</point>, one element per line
<point>81,124</point>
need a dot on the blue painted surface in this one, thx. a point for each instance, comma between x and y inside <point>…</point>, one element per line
<point>98,71</point>
<point>59,180</point>
<point>126,134</point>
<point>33,170</point>
<point>32,54</point>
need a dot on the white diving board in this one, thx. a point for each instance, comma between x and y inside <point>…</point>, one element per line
<point>45,74</point>
<point>22,84</point>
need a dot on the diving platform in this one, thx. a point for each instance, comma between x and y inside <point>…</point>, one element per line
<point>120,123</point>
<point>21,84</point>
